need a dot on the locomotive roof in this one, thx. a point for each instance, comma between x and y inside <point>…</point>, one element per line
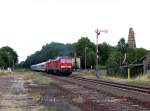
<point>61,57</point>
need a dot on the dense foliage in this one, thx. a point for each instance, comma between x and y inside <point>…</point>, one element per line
<point>122,55</point>
<point>112,57</point>
<point>104,52</point>
<point>49,51</point>
<point>8,57</point>
<point>84,45</point>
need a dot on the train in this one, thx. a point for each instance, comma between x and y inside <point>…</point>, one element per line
<point>60,65</point>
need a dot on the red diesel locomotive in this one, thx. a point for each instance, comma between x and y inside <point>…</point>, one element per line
<point>60,65</point>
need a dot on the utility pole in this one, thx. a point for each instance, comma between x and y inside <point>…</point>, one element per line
<point>85,56</point>
<point>8,59</point>
<point>75,61</point>
<point>98,32</point>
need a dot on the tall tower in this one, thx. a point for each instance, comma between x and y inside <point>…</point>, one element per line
<point>131,39</point>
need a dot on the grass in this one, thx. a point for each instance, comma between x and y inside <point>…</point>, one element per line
<point>50,108</point>
<point>142,79</point>
<point>86,73</point>
<point>37,77</point>
<point>5,73</point>
<point>139,79</point>
<point>43,108</point>
<point>113,78</point>
<point>35,94</point>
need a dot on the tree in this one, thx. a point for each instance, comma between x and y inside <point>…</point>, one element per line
<point>140,52</point>
<point>113,63</point>
<point>122,46</point>
<point>80,49</point>
<point>3,60</point>
<point>8,57</point>
<point>49,51</point>
<point>117,56</point>
<point>104,52</point>
<point>91,58</point>
<point>135,54</point>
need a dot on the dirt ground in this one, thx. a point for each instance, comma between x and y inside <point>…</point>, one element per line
<point>14,94</point>
<point>24,91</point>
<point>33,91</point>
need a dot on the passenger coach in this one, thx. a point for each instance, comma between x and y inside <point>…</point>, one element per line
<point>39,67</point>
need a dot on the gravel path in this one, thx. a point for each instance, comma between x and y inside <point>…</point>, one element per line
<point>14,95</point>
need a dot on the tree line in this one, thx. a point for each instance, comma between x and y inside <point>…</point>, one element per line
<point>8,57</point>
<point>123,55</point>
<point>110,57</point>
<point>49,51</point>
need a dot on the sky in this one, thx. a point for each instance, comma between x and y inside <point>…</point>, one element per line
<point>27,25</point>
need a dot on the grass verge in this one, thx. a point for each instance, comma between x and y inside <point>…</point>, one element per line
<point>140,79</point>
<point>5,73</point>
<point>37,77</point>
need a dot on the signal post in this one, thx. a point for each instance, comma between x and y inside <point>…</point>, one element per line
<point>98,32</point>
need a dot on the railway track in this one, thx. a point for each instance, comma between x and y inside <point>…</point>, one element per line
<point>122,92</point>
<point>140,89</point>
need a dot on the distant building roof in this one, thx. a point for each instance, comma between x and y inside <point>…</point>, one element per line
<point>132,65</point>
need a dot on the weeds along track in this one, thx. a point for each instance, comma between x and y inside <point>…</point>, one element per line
<point>128,87</point>
<point>140,89</point>
<point>105,88</point>
<point>137,92</point>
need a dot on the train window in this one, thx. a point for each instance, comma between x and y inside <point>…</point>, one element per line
<point>62,60</point>
<point>66,61</point>
<point>69,60</point>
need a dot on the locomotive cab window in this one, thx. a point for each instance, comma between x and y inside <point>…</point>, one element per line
<point>62,61</point>
<point>69,60</point>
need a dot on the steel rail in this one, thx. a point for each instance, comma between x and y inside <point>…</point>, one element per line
<point>114,84</point>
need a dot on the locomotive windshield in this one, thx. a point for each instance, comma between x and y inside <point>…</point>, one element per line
<point>66,61</point>
<point>69,60</point>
